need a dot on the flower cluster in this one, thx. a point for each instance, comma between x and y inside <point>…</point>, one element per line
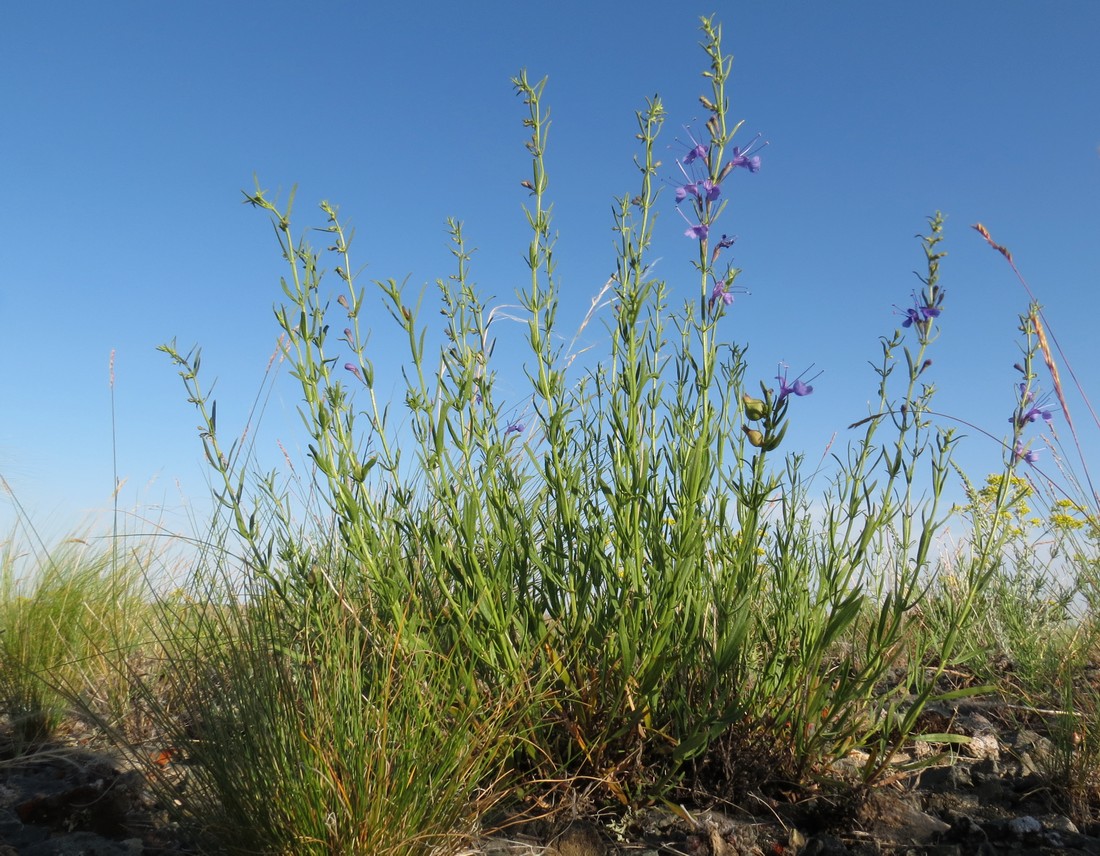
<point>702,182</point>
<point>1028,410</point>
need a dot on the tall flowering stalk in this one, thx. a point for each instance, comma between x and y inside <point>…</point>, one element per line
<point>701,187</point>
<point>991,532</point>
<point>874,549</point>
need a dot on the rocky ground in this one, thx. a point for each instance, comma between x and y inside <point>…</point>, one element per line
<point>997,796</point>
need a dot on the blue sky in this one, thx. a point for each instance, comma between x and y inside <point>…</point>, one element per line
<point>131,128</point>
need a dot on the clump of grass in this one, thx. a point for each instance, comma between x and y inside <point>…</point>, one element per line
<point>337,736</point>
<point>69,617</point>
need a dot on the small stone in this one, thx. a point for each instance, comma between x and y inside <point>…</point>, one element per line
<point>900,821</point>
<point>1023,826</point>
<point>983,746</point>
<point>1060,823</point>
<point>1040,748</point>
<point>958,777</point>
<point>1028,767</point>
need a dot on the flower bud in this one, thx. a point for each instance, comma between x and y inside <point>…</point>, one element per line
<point>754,408</point>
<point>755,437</point>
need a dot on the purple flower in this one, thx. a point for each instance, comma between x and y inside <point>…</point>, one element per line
<point>1029,416</point>
<point>709,189</point>
<point>723,244</point>
<point>920,313</point>
<point>799,387</point>
<point>354,369</point>
<point>684,189</point>
<point>1029,456</point>
<point>741,158</point>
<point>697,231</point>
<point>1033,411</point>
<point>720,292</point>
<point>699,151</point>
<point>699,189</point>
<point>514,428</point>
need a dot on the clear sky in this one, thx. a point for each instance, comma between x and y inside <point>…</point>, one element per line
<point>130,129</point>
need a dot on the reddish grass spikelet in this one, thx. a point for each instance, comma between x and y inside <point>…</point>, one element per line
<point>1052,367</point>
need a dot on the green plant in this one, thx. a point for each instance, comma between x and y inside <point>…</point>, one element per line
<point>336,737</point>
<point>627,565</point>
<point>68,619</point>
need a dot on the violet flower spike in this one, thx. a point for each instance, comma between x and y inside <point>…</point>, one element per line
<point>514,428</point>
<point>799,387</point>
